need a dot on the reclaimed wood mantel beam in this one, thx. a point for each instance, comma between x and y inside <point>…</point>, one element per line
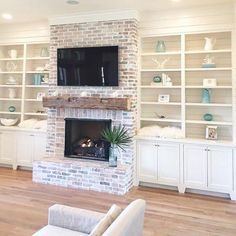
<point>87,102</point>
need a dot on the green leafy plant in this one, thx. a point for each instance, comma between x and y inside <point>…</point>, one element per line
<point>117,136</point>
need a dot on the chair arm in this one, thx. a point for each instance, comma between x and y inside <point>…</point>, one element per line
<point>73,218</point>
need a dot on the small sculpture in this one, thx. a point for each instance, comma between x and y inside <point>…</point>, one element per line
<point>166,80</point>
<point>161,64</point>
<point>208,62</point>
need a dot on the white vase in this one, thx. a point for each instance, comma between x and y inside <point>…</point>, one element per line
<point>209,44</point>
<point>12,93</point>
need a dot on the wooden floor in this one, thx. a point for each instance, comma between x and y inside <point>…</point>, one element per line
<point>23,208</point>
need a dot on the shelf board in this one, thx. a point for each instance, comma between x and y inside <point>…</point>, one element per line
<point>160,53</point>
<point>11,72</point>
<point>33,100</point>
<point>37,86</point>
<point>10,113</point>
<point>37,72</point>
<point>216,87</point>
<point>11,59</point>
<point>35,114</point>
<point>209,69</point>
<point>209,104</point>
<point>160,70</point>
<point>211,51</point>
<point>161,120</point>
<point>209,122</point>
<point>160,87</point>
<point>37,58</point>
<point>10,86</point>
<point>10,99</point>
<point>164,104</point>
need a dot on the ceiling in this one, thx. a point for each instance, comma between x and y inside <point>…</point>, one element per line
<point>36,10</point>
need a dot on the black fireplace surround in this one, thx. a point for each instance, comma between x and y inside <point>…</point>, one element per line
<point>83,139</point>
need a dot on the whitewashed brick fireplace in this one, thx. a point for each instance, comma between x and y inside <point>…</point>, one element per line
<point>93,175</point>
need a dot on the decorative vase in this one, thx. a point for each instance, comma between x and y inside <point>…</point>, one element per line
<point>12,53</point>
<point>12,93</point>
<point>113,156</point>
<point>157,79</point>
<point>206,96</point>
<point>208,117</point>
<point>161,47</point>
<point>44,52</point>
<point>209,44</point>
<point>11,109</point>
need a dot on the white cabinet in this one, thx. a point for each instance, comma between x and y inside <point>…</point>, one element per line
<point>158,162</point>
<point>29,147</point>
<point>195,166</point>
<point>21,148</point>
<point>168,163</point>
<point>24,149</point>
<point>147,161</point>
<point>7,148</point>
<point>39,147</point>
<point>220,169</point>
<point>208,168</point>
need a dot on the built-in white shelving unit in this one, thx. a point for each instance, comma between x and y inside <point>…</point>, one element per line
<point>185,54</point>
<point>22,68</point>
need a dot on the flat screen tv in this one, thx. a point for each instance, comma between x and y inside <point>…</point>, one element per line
<point>92,66</point>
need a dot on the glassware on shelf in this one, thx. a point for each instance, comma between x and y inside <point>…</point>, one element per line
<point>11,66</point>
<point>44,52</point>
<point>161,47</point>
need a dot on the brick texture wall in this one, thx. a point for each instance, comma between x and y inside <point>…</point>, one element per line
<point>122,33</point>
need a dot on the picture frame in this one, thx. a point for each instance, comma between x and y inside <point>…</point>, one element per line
<point>211,132</point>
<point>163,98</point>
<point>209,83</point>
<point>40,96</point>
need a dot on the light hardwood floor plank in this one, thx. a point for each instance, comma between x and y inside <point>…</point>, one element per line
<point>24,206</point>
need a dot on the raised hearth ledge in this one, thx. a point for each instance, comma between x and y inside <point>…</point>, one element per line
<point>83,174</point>
<point>87,102</point>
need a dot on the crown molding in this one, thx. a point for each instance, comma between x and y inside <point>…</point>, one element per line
<point>94,16</point>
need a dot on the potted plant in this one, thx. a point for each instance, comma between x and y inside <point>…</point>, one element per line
<point>119,139</point>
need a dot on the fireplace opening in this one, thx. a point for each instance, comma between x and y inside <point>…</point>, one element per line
<point>83,139</point>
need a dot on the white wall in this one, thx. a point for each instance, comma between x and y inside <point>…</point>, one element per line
<point>28,32</point>
<point>215,18</point>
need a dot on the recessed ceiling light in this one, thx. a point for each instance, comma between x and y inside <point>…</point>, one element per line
<point>6,16</point>
<point>72,2</point>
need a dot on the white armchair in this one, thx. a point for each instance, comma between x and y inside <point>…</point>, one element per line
<point>69,221</point>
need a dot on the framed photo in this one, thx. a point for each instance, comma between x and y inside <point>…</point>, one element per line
<point>211,132</point>
<point>209,83</point>
<point>40,96</point>
<point>163,98</point>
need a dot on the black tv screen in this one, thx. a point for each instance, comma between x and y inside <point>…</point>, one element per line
<point>93,66</point>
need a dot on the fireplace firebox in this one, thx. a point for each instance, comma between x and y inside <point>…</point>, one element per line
<point>83,139</point>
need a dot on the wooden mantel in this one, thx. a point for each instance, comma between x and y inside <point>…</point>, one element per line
<point>87,102</point>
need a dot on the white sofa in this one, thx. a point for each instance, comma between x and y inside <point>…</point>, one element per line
<point>69,221</point>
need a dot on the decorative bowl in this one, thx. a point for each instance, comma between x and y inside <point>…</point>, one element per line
<point>8,122</point>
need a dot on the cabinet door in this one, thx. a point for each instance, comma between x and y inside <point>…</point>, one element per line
<point>39,147</point>
<point>168,163</point>
<point>195,166</point>
<point>147,161</point>
<point>220,168</point>
<point>24,149</point>
<point>7,148</point>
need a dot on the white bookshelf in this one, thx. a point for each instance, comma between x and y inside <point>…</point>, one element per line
<point>27,63</point>
<point>185,54</point>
